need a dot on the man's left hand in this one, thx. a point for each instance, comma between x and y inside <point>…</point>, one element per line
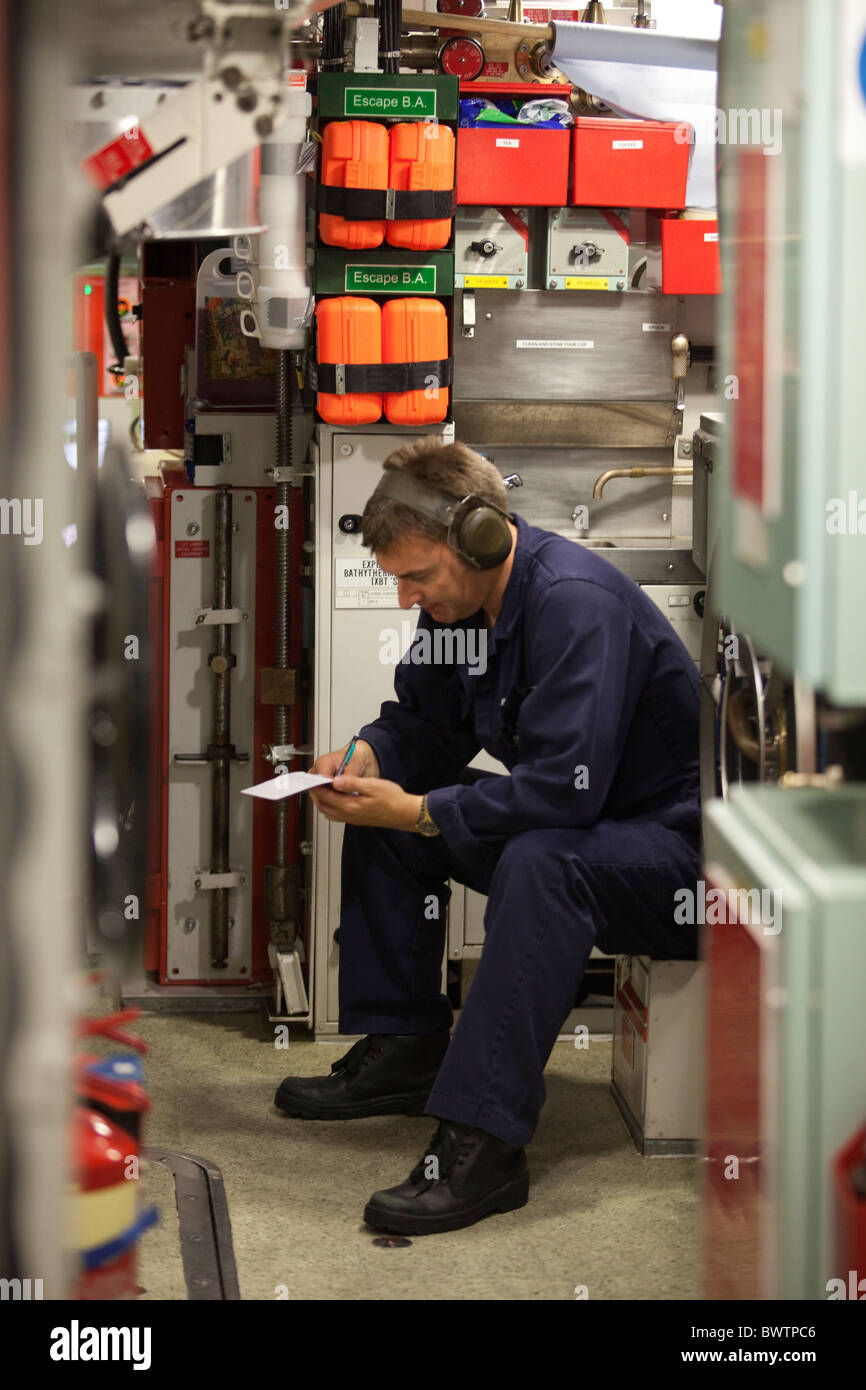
<point>376,802</point>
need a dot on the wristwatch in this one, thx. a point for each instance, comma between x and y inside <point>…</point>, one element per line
<point>425,823</point>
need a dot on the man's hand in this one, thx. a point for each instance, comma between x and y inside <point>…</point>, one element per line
<point>367,800</point>
<point>364,762</point>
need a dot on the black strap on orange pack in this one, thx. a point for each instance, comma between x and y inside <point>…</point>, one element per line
<point>346,378</point>
<point>388,204</point>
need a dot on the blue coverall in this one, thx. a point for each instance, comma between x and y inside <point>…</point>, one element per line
<point>591,701</point>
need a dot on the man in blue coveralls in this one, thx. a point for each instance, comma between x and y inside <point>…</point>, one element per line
<point>536,649</point>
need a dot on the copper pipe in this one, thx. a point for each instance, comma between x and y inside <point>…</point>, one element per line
<point>676,471</point>
<point>741,713</point>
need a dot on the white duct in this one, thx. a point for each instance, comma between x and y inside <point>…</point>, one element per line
<point>277,283</point>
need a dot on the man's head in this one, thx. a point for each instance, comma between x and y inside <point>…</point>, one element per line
<point>414,546</point>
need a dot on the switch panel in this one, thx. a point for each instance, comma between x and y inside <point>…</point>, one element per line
<point>491,247</point>
<point>587,249</point>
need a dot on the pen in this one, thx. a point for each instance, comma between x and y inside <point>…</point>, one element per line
<point>341,769</point>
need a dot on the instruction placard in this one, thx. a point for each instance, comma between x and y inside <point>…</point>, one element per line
<point>361,583</point>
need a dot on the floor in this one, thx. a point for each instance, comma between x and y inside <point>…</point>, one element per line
<point>602,1222</point>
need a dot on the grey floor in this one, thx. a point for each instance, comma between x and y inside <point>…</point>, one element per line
<point>599,1216</point>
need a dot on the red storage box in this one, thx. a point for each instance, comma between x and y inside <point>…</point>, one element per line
<point>635,164</point>
<point>512,166</point>
<point>683,255</point>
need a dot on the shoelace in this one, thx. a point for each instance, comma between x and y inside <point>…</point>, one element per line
<point>450,1148</point>
<point>366,1048</point>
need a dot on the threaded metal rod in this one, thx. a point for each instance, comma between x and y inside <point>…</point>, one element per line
<point>221,738</point>
<point>282,634</point>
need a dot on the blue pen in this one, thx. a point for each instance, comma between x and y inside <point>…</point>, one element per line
<point>344,764</point>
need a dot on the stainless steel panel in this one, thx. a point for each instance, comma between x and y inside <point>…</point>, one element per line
<point>629,358</point>
<point>663,1115</point>
<point>568,424</point>
<point>553,488</point>
<point>226,203</point>
<point>705,446</point>
<point>646,565</point>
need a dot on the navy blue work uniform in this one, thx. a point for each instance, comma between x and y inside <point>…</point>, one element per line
<point>589,698</point>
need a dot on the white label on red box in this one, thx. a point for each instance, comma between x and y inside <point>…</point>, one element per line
<point>508,144</point>
<point>567,343</point>
<point>656,328</point>
<point>711,236</point>
<point>627,145</point>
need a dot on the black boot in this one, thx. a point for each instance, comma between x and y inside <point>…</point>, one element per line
<point>383,1074</point>
<point>465,1174</point>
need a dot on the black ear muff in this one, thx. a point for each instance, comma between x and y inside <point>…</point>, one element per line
<point>483,537</point>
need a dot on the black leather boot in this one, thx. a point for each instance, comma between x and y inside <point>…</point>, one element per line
<point>383,1074</point>
<point>465,1174</point>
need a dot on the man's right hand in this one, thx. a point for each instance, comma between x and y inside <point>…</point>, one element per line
<point>363,762</point>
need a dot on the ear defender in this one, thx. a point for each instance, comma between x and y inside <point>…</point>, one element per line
<point>477,530</point>
<point>483,537</point>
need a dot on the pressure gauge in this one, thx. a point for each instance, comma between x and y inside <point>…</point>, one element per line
<point>461,57</point>
<point>472,8</point>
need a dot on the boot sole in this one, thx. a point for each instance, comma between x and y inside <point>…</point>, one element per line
<point>410,1104</point>
<point>510,1197</point>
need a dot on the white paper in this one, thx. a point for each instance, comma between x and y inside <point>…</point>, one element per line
<point>286,784</point>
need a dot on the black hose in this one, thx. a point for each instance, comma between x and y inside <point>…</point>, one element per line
<point>112,313</point>
<point>392,12</point>
<point>329,38</point>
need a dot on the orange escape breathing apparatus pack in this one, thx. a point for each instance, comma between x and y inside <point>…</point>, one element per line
<point>393,357</point>
<point>392,185</point>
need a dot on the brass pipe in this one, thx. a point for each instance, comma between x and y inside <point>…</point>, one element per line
<point>419,50</point>
<point>741,710</point>
<point>675,471</point>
